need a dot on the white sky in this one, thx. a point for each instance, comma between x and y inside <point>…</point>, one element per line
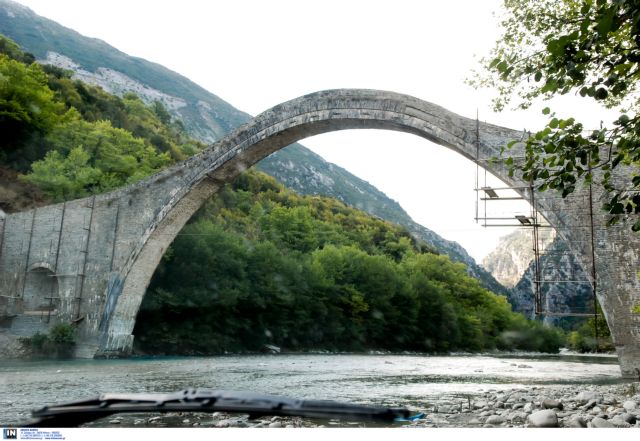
<point>256,54</point>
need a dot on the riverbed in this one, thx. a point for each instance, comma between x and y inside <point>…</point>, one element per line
<point>419,382</point>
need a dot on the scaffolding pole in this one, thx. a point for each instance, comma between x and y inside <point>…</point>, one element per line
<point>533,221</point>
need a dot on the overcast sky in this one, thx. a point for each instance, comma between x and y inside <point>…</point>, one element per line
<point>256,54</point>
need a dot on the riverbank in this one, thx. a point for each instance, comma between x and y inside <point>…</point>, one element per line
<point>452,390</point>
<point>573,406</point>
<point>613,406</point>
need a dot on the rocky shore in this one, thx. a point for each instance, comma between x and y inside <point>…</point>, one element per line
<point>616,406</point>
<point>573,406</point>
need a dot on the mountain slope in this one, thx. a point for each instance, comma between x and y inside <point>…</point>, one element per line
<point>514,254</point>
<point>207,117</point>
<point>565,286</point>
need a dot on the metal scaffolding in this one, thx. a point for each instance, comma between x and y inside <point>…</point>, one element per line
<point>486,194</point>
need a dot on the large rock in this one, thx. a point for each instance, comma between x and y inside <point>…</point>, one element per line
<point>629,418</point>
<point>589,404</point>
<point>617,421</point>
<point>600,423</point>
<point>495,420</point>
<point>588,395</point>
<point>543,418</point>
<point>576,422</point>
<point>630,406</point>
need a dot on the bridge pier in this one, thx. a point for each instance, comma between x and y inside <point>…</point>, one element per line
<point>629,359</point>
<point>115,346</point>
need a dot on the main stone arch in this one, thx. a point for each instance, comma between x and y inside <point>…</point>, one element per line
<point>140,221</point>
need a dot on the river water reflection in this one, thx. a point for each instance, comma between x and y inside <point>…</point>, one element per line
<point>400,380</point>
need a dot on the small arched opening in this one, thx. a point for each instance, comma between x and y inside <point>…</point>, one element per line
<point>40,301</point>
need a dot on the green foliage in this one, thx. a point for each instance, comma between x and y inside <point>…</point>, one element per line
<point>63,334</point>
<point>78,139</point>
<point>58,343</point>
<point>9,48</point>
<point>88,158</point>
<point>27,110</point>
<point>583,339</point>
<point>587,48</point>
<point>262,265</point>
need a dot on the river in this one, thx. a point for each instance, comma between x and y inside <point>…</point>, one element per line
<point>416,381</point>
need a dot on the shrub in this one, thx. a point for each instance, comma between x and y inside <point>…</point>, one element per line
<point>58,343</point>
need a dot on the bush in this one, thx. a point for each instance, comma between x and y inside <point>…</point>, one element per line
<point>58,343</point>
<point>526,335</point>
<point>583,339</point>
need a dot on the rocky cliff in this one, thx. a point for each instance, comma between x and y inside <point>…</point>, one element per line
<point>565,286</point>
<point>514,254</point>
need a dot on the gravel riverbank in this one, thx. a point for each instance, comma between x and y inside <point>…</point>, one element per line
<point>571,406</point>
<point>575,406</point>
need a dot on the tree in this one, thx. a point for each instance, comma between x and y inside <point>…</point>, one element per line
<point>27,109</point>
<point>587,47</point>
<point>65,178</point>
<point>93,157</point>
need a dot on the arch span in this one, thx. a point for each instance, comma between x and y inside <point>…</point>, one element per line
<point>279,127</point>
<point>122,235</point>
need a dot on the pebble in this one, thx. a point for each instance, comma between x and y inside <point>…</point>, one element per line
<point>595,411</point>
<point>275,425</point>
<point>551,404</point>
<point>518,417</point>
<point>630,406</point>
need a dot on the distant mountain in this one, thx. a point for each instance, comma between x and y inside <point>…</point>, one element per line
<point>208,118</point>
<point>565,286</point>
<point>514,254</point>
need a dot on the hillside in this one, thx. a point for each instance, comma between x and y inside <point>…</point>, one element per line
<point>259,264</point>
<point>207,117</point>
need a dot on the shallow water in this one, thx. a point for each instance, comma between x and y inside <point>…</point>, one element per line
<point>416,381</point>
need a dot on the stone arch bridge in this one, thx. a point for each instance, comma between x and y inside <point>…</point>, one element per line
<point>90,260</point>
